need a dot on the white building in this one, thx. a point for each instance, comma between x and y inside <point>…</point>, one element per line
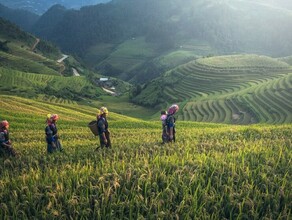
<point>103,79</point>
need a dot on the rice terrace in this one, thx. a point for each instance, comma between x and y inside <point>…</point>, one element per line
<point>221,70</point>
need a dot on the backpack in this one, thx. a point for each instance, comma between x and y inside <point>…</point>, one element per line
<point>2,137</point>
<point>169,119</point>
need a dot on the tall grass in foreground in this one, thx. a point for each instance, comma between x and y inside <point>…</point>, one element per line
<point>212,171</point>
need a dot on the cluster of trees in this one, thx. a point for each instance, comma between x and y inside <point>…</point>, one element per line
<point>3,46</point>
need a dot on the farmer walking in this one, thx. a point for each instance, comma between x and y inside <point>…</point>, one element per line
<point>5,142</point>
<point>170,122</point>
<point>102,127</point>
<point>52,136</point>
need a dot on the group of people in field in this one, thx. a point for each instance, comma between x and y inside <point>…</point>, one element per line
<point>52,137</point>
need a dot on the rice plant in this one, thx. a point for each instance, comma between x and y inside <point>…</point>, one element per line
<point>213,171</point>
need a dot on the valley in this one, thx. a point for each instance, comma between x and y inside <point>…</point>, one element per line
<point>226,64</point>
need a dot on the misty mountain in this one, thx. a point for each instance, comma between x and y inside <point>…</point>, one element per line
<point>47,23</point>
<point>22,18</point>
<point>128,38</point>
<point>41,6</point>
<point>230,26</point>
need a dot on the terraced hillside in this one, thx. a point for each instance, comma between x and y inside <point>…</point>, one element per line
<point>33,85</point>
<point>239,89</point>
<point>212,171</point>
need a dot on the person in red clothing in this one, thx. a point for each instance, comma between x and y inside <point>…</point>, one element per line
<point>5,142</point>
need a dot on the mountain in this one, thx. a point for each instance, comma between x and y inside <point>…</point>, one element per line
<point>41,6</point>
<point>127,38</point>
<point>47,22</point>
<point>22,18</point>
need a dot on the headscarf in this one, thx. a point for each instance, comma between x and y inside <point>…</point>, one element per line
<point>173,109</point>
<point>103,110</point>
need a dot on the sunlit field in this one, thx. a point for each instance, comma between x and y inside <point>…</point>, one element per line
<point>213,171</point>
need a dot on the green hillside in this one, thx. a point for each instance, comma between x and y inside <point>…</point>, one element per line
<point>139,61</point>
<point>22,51</point>
<point>212,171</point>
<point>239,89</point>
<point>126,58</point>
<point>31,67</point>
<point>32,85</point>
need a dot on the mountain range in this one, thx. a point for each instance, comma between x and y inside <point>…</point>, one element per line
<point>41,6</point>
<point>98,34</point>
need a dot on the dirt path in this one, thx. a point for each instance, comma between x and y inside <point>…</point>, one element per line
<point>75,72</point>
<point>63,58</point>
<point>108,91</point>
<point>37,40</point>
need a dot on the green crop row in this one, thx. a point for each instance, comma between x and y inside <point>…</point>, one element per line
<point>231,97</point>
<point>30,85</point>
<point>240,89</point>
<point>269,102</point>
<point>26,65</point>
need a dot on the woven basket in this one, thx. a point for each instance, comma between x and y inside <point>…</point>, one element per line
<point>93,127</point>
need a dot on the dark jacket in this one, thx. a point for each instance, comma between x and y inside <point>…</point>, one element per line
<point>4,136</point>
<point>51,133</point>
<point>102,125</point>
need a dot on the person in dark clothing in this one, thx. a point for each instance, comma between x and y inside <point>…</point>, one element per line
<point>102,127</point>
<point>170,122</point>
<point>52,137</point>
<point>5,143</point>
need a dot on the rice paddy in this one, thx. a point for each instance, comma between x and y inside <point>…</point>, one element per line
<point>213,171</point>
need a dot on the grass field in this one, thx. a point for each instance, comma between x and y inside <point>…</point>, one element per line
<point>27,65</point>
<point>213,171</point>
